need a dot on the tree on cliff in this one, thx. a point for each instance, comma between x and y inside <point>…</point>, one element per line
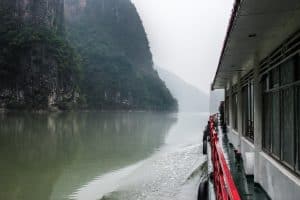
<point>38,67</point>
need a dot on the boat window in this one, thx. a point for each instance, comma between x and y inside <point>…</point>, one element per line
<point>287,127</point>
<point>248,111</point>
<point>297,64</point>
<point>281,113</point>
<point>298,123</point>
<point>251,109</point>
<point>297,110</point>
<point>234,109</point>
<point>227,110</point>
<point>274,78</point>
<point>264,83</point>
<point>287,72</point>
<point>267,110</point>
<point>275,121</point>
<point>245,109</point>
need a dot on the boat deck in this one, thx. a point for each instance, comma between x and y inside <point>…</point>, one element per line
<point>248,190</point>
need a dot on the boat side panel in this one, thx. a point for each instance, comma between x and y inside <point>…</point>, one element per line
<point>277,181</point>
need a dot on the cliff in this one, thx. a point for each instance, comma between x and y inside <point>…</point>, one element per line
<point>38,68</point>
<point>64,54</point>
<point>117,63</point>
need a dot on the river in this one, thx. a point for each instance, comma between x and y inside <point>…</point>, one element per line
<point>100,155</point>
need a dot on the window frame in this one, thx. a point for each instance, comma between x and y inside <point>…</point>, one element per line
<point>227,110</point>
<point>248,114</point>
<point>270,88</point>
<point>234,105</point>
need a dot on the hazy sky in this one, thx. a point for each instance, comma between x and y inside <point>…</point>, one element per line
<point>186,36</point>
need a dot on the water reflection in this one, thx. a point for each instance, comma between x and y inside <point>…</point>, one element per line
<point>48,156</point>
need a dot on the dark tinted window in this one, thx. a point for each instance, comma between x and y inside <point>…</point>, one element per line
<point>297,66</point>
<point>267,110</point>
<point>263,82</point>
<point>281,113</point>
<point>234,107</point>
<point>298,122</point>
<point>287,127</point>
<point>248,112</point>
<point>287,72</point>
<point>227,110</point>
<point>274,78</point>
<point>275,121</point>
<point>245,109</point>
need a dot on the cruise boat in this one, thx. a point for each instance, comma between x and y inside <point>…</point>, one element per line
<point>259,70</point>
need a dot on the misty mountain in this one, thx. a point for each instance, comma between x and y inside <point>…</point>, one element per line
<point>117,63</point>
<point>190,99</point>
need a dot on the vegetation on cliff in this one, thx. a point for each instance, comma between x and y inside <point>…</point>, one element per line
<point>118,70</point>
<point>99,58</point>
<point>38,67</point>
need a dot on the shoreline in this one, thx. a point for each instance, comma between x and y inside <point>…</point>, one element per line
<point>42,111</point>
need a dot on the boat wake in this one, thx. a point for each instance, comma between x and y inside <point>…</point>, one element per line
<point>164,176</point>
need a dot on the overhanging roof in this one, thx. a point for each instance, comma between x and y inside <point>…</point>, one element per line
<point>256,28</point>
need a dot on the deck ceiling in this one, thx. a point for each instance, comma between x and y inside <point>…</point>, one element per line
<point>257,27</point>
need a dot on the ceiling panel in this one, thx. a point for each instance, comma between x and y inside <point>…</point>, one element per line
<point>258,27</point>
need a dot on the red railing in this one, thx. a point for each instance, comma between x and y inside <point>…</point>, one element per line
<point>225,188</point>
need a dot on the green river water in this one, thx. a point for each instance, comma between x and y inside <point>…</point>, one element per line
<point>89,155</point>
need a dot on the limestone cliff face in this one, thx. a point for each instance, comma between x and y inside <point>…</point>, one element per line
<point>117,62</point>
<point>110,66</point>
<point>38,12</point>
<point>73,9</point>
<point>36,64</point>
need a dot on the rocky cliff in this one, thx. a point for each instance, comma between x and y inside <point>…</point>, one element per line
<point>77,53</point>
<point>117,63</point>
<point>38,68</point>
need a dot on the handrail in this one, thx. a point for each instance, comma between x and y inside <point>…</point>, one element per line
<point>225,187</point>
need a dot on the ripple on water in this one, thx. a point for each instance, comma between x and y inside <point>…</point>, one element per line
<point>165,176</point>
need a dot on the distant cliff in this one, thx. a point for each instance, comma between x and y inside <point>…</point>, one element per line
<point>38,68</point>
<point>190,99</point>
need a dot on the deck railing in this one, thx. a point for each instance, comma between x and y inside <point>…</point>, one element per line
<point>225,187</point>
